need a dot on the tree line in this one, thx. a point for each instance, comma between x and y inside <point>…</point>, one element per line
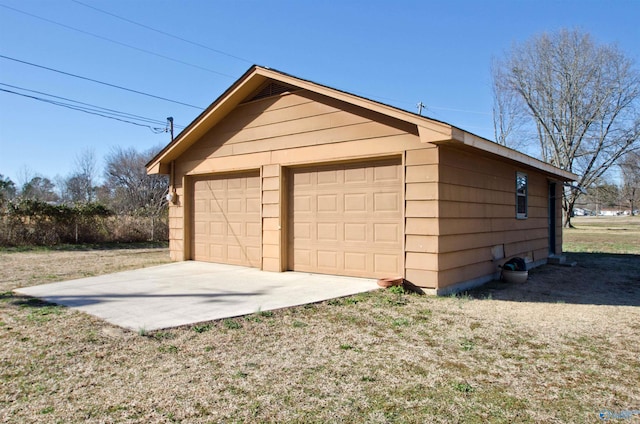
<point>123,204</point>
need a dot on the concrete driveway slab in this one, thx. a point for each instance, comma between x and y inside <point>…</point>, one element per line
<point>189,292</point>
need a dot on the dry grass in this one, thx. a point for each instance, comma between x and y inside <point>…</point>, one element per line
<point>544,351</point>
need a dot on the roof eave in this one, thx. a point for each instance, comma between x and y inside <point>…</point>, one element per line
<point>473,141</point>
<point>206,120</point>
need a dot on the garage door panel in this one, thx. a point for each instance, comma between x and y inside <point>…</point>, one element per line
<point>328,231</point>
<point>302,257</point>
<point>214,206</point>
<point>387,233</point>
<point>327,259</point>
<point>253,205</point>
<point>355,262</point>
<point>216,251</point>
<point>253,229</point>
<point>254,254</point>
<point>302,204</point>
<point>355,175</point>
<point>200,206</point>
<point>355,232</point>
<point>302,231</point>
<point>215,228</point>
<point>347,219</point>
<point>327,203</point>
<point>214,185</point>
<point>386,264</point>
<point>234,183</point>
<point>355,202</point>
<point>253,183</point>
<point>329,176</point>
<point>234,205</point>
<point>386,202</point>
<point>226,220</point>
<point>234,229</point>
<point>234,253</point>
<point>386,173</point>
<point>200,249</point>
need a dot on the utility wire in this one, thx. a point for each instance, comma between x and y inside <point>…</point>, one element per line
<point>99,82</point>
<point>117,42</point>
<point>93,107</point>
<point>83,109</point>
<point>201,46</point>
<point>176,60</point>
<point>164,32</point>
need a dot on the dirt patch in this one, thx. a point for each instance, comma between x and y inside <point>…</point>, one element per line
<point>542,351</point>
<point>596,279</point>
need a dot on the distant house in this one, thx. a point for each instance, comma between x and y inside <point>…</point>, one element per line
<point>610,212</point>
<point>281,173</point>
<point>582,212</point>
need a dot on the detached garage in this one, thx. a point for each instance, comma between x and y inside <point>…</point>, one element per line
<point>281,173</point>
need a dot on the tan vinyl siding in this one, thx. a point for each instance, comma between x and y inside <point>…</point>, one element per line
<point>271,218</point>
<point>477,212</point>
<point>176,223</point>
<point>176,230</point>
<point>290,122</point>
<point>421,225</point>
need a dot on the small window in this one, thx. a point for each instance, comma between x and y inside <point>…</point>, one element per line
<point>521,195</point>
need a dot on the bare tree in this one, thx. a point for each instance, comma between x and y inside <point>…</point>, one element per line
<point>86,172</point>
<point>630,167</point>
<point>80,185</point>
<point>132,190</point>
<point>581,100</point>
<point>25,174</point>
<point>508,112</point>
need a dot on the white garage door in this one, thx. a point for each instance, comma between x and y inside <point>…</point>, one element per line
<point>347,219</point>
<point>226,219</point>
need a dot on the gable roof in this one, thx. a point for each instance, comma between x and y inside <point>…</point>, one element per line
<point>256,77</point>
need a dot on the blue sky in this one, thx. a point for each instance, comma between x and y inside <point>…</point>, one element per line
<point>398,52</point>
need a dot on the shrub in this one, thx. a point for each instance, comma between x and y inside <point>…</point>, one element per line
<point>27,222</point>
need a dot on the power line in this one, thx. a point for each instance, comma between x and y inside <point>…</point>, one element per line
<point>117,42</point>
<point>460,110</point>
<point>79,109</point>
<point>164,32</point>
<point>99,82</point>
<point>198,45</point>
<point>425,107</point>
<point>84,109</point>
<point>93,107</point>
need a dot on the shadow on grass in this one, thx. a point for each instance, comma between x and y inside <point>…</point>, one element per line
<point>85,247</point>
<point>24,301</point>
<point>597,279</point>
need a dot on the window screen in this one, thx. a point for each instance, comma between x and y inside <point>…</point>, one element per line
<point>521,195</point>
